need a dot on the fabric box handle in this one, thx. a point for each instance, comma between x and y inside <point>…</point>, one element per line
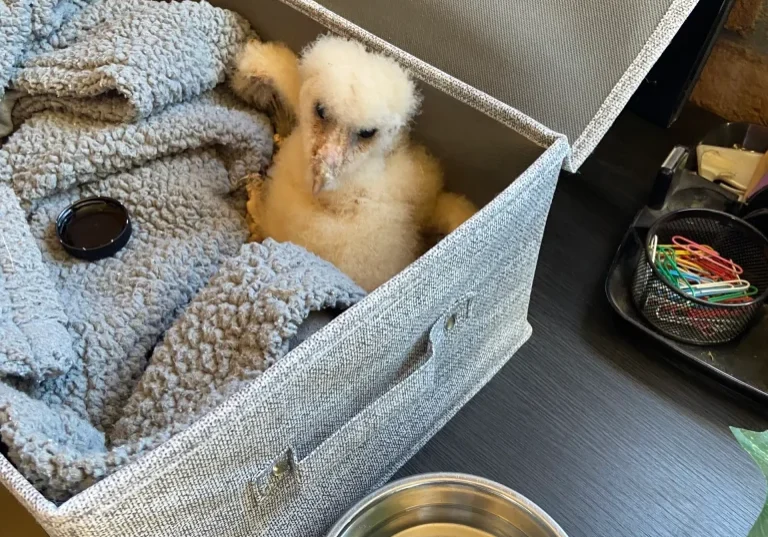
<point>384,419</point>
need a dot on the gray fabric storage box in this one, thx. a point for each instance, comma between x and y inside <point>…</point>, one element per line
<point>342,412</point>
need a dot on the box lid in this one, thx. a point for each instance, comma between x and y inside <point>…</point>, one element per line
<point>572,65</point>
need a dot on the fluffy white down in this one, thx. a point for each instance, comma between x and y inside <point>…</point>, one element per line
<point>360,88</point>
<point>348,183</point>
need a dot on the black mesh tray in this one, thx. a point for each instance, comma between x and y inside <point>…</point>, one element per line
<point>741,364</point>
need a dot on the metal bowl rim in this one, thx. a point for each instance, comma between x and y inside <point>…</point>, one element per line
<point>443,478</point>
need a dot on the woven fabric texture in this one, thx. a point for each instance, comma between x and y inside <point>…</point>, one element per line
<point>426,72</point>
<point>572,65</point>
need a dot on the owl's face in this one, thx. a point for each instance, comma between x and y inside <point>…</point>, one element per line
<point>337,149</point>
<point>354,106</point>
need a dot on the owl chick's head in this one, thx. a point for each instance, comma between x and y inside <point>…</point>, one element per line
<point>354,107</point>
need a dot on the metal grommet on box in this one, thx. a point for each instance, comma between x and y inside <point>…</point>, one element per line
<point>461,310</point>
<point>281,467</point>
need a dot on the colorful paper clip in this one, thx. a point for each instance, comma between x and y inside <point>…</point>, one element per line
<point>699,271</point>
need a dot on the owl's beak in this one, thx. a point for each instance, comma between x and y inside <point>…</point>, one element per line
<point>330,152</point>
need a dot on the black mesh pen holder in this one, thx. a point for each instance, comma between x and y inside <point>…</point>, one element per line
<point>686,318</point>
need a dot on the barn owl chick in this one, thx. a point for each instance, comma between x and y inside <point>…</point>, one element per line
<point>348,183</point>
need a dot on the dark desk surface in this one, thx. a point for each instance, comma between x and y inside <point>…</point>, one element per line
<point>591,420</point>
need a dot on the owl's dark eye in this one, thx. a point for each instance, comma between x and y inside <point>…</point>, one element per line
<point>320,111</point>
<point>367,133</point>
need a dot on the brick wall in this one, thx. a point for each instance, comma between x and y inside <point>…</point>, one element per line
<point>734,83</point>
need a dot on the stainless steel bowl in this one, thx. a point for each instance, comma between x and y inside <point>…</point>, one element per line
<point>446,505</point>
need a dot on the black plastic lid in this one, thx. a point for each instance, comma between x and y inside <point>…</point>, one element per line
<point>94,228</point>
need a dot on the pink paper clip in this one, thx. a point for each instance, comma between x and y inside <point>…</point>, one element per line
<point>708,253</point>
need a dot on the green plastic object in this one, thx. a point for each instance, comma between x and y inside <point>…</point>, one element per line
<point>756,444</point>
